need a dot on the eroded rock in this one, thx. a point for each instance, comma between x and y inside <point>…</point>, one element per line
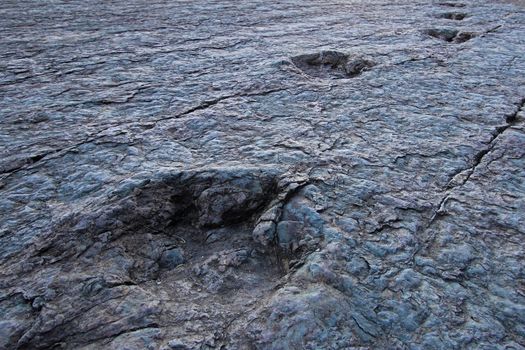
<point>268,175</point>
<point>159,232</point>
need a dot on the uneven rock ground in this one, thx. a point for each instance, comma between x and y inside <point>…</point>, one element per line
<point>262,174</point>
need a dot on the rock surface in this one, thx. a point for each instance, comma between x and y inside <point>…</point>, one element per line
<point>259,174</point>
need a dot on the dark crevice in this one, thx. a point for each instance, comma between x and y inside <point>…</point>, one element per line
<point>455,16</point>
<point>27,162</point>
<point>362,329</point>
<point>451,4</point>
<point>121,284</point>
<point>476,161</point>
<point>209,103</point>
<point>510,119</point>
<point>202,106</point>
<point>38,157</point>
<point>513,118</point>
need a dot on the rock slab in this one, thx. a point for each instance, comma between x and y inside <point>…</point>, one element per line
<point>262,175</point>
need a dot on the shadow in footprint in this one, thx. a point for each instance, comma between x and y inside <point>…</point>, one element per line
<point>331,64</point>
<point>450,35</point>
<point>451,4</point>
<point>455,16</point>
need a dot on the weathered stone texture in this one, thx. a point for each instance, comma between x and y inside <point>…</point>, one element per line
<point>262,174</point>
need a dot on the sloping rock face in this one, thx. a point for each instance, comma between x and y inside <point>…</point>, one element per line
<point>262,175</point>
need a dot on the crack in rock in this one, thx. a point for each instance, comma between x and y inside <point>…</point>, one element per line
<point>451,4</point>
<point>461,178</point>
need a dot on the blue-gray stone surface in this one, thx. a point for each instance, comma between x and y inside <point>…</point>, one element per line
<point>262,174</point>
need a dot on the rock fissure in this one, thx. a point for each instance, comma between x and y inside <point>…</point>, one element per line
<point>100,134</point>
<point>465,175</point>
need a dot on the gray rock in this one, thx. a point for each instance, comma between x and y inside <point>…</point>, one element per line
<point>323,176</point>
<point>172,258</point>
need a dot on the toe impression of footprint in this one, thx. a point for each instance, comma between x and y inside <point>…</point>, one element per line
<point>455,16</point>
<point>332,65</point>
<point>450,35</point>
